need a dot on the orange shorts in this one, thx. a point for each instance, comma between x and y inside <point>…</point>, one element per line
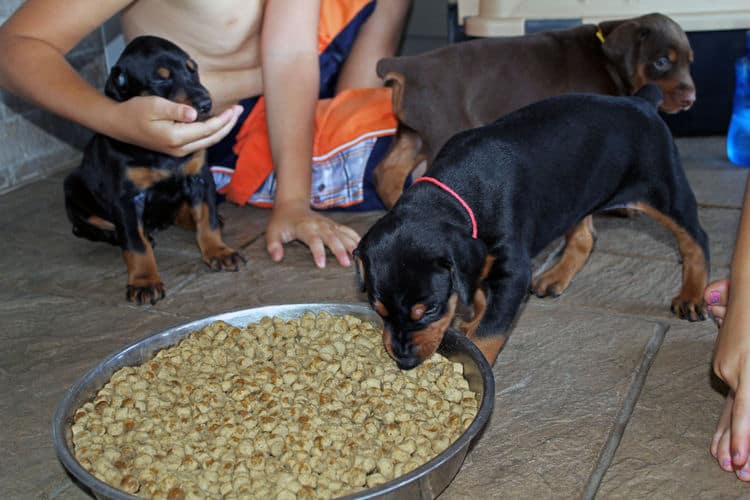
<point>345,126</point>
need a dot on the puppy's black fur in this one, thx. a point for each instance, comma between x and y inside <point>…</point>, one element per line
<point>529,178</point>
<point>122,193</point>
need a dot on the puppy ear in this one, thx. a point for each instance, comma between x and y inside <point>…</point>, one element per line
<point>360,268</point>
<point>622,40</point>
<point>117,84</point>
<point>466,264</point>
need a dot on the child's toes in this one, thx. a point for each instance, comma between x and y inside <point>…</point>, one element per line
<point>723,454</point>
<point>716,293</point>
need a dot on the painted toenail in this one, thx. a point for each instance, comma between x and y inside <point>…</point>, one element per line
<point>727,462</point>
<point>715,296</point>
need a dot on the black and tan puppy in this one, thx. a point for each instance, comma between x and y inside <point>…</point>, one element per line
<point>122,193</point>
<point>465,85</point>
<point>499,194</point>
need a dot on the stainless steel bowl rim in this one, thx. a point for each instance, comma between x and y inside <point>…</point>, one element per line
<point>60,418</point>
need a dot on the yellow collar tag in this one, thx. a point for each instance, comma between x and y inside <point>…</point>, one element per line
<point>600,35</point>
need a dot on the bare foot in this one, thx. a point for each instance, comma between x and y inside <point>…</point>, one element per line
<point>716,296</point>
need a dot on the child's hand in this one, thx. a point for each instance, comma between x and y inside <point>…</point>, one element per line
<point>296,221</point>
<point>168,127</point>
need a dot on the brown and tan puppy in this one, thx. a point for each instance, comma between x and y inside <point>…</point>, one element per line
<point>469,84</point>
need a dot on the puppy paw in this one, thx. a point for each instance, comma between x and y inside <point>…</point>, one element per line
<point>548,284</point>
<point>689,309</point>
<point>224,259</point>
<point>145,291</point>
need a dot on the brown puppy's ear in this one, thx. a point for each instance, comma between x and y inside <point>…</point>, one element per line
<point>360,268</point>
<point>622,43</point>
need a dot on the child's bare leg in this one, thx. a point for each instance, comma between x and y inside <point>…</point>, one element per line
<point>379,37</point>
<point>717,296</point>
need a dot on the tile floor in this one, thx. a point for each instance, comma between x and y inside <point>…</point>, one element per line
<point>599,392</point>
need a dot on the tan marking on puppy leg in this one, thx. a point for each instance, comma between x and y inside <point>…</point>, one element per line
<point>97,221</point>
<point>145,177</point>
<point>479,304</point>
<point>488,263</point>
<point>216,254</point>
<point>380,309</point>
<point>579,242</point>
<point>393,170</point>
<point>689,303</point>
<point>144,282</point>
<point>184,217</point>
<point>490,347</point>
<point>194,165</point>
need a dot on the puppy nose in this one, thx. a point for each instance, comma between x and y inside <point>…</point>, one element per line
<point>408,363</point>
<point>203,106</point>
<point>403,353</point>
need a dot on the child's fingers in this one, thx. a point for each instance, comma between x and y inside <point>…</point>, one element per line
<point>741,425</point>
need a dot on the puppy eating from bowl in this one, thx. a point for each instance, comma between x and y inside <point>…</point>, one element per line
<point>499,194</point>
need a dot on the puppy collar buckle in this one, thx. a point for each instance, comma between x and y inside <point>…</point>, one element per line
<point>451,192</point>
<point>599,34</point>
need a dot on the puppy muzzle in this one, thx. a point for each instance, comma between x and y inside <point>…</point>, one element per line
<point>411,349</point>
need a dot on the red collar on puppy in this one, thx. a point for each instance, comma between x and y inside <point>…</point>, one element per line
<point>451,192</point>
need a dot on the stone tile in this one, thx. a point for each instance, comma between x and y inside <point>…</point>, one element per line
<point>641,236</point>
<point>37,149</point>
<point>261,282</point>
<point>560,383</point>
<point>623,285</point>
<point>703,151</point>
<point>37,209</point>
<point>718,188</point>
<point>565,381</point>
<point>664,451</point>
<point>46,348</point>
<point>64,265</point>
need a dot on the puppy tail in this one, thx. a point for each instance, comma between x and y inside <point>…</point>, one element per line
<point>652,93</point>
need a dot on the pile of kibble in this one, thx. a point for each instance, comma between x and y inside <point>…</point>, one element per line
<point>304,408</point>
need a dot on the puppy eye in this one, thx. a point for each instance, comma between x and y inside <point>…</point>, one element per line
<point>662,64</point>
<point>432,309</point>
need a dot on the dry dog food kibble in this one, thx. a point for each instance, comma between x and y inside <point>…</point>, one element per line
<point>307,408</point>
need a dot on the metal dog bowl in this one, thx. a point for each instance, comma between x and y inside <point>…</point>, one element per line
<point>427,481</point>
